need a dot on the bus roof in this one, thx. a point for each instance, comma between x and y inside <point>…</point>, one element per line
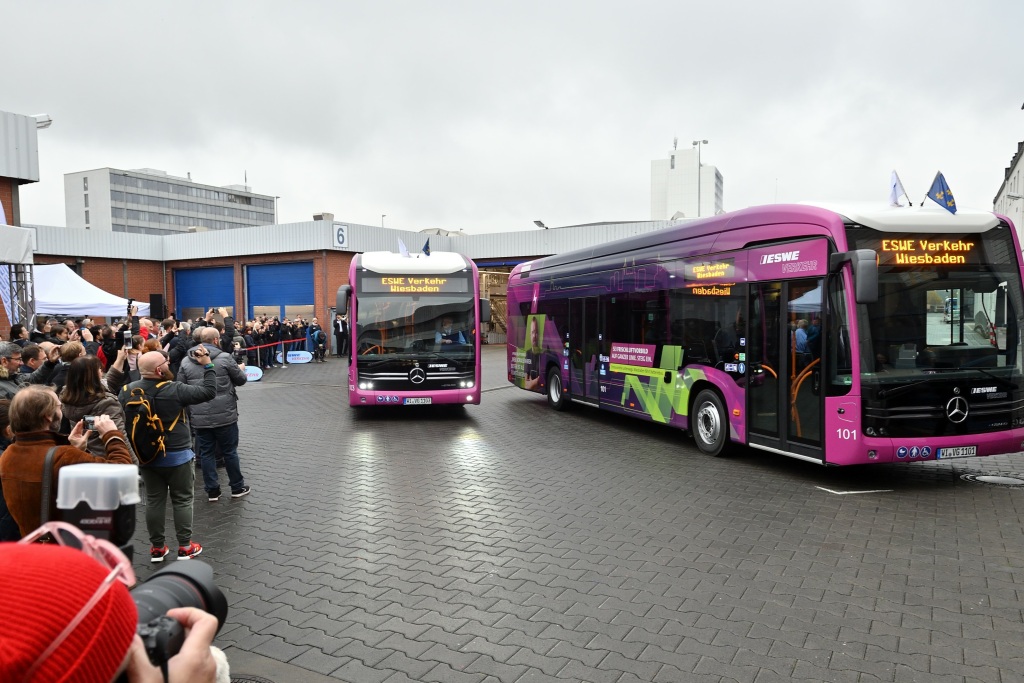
<point>928,219</point>
<point>416,264</point>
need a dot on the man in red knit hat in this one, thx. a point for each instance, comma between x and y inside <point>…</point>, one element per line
<point>83,628</point>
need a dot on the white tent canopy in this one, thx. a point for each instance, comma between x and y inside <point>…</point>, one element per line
<point>60,291</point>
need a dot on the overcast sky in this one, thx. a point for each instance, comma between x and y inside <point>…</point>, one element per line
<point>485,116</point>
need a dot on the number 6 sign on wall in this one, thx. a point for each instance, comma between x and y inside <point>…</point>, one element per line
<point>340,236</point>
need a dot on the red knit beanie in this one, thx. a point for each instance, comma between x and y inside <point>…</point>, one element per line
<point>42,588</point>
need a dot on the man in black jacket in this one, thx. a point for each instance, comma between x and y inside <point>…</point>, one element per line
<point>173,471</point>
<point>341,335</point>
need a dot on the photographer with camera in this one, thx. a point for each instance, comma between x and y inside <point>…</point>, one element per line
<point>216,422</point>
<point>35,415</point>
<point>12,379</point>
<point>69,615</point>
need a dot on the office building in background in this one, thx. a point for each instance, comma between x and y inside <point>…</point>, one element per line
<point>151,202</point>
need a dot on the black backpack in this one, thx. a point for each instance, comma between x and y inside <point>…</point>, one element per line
<point>145,429</point>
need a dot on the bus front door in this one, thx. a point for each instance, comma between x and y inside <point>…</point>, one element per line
<point>784,397</point>
<point>584,349</point>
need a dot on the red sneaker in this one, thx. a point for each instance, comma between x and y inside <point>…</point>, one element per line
<point>158,554</point>
<point>187,552</point>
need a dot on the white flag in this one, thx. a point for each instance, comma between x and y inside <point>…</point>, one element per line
<point>896,190</point>
<point>402,249</point>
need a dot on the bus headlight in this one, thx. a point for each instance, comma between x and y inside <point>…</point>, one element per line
<point>366,385</point>
<point>469,398</point>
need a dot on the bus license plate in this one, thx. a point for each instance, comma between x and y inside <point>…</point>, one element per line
<point>417,401</point>
<point>956,452</point>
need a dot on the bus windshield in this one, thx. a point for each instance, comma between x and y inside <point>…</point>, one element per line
<point>947,305</point>
<point>411,326</point>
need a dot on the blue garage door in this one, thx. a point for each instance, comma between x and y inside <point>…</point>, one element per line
<point>281,289</point>
<point>197,290</point>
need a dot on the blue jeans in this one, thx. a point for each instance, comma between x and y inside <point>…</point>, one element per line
<point>227,438</point>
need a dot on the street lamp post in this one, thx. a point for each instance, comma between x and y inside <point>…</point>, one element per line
<point>697,144</point>
<point>382,220</point>
<point>276,197</point>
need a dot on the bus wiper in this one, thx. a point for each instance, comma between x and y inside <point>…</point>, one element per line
<point>882,393</point>
<point>994,376</point>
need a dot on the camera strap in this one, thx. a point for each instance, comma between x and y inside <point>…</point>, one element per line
<point>44,506</point>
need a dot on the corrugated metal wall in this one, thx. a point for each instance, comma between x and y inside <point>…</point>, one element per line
<point>320,235</point>
<point>20,158</point>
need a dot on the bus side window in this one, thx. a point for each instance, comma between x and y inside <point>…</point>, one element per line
<point>838,353</point>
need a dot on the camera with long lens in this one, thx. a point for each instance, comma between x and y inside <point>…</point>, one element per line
<point>183,584</point>
<point>100,499</point>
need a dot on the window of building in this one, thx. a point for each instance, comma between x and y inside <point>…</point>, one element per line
<point>85,183</point>
<point>87,216</point>
<point>86,198</point>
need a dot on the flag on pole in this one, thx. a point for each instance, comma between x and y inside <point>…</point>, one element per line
<point>941,194</point>
<point>426,247</point>
<point>896,190</point>
<point>402,249</point>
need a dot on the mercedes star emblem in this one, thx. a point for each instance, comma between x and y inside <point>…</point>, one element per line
<point>956,409</point>
<point>417,376</point>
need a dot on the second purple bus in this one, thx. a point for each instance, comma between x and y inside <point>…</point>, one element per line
<point>819,333</point>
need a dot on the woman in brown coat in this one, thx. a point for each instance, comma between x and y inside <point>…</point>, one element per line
<point>35,417</point>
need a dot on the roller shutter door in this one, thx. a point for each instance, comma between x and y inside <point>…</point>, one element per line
<point>281,285</point>
<point>196,290</point>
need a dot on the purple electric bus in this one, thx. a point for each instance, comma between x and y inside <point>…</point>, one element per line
<point>415,329</point>
<point>809,331</point>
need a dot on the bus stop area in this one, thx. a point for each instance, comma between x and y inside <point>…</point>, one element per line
<point>507,542</point>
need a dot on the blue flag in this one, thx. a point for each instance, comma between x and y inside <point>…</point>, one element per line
<point>941,195</point>
<point>426,247</point>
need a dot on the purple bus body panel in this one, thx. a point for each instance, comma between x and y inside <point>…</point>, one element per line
<point>790,260</point>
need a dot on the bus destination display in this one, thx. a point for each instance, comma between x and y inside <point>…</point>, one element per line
<point>413,284</point>
<point>919,252</point>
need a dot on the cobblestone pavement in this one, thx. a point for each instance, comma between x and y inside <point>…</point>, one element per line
<point>507,542</point>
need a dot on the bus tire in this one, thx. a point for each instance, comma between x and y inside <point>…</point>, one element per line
<point>710,427</point>
<point>556,394</point>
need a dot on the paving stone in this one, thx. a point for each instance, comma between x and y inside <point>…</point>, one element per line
<point>578,559</point>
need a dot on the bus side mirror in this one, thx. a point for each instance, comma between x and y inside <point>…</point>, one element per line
<point>341,304</point>
<point>864,263</point>
<point>485,310</point>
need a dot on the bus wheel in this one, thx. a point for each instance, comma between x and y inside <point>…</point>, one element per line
<point>556,397</point>
<point>709,426</point>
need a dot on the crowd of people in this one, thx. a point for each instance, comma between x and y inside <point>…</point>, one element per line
<point>140,392</point>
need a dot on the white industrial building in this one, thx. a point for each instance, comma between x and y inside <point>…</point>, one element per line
<point>1009,200</point>
<point>147,201</point>
<point>683,187</point>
